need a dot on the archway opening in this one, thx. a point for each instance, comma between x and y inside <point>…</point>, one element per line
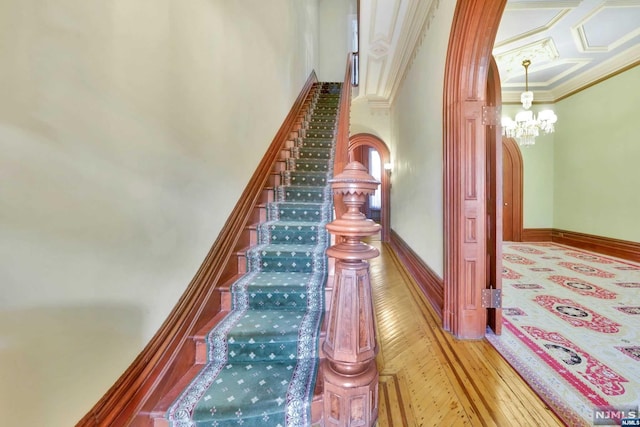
<point>372,152</point>
<point>467,121</point>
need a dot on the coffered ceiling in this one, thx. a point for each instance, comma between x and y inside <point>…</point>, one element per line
<point>571,44</point>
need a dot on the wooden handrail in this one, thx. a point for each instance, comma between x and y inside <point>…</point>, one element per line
<point>342,139</point>
<point>120,405</point>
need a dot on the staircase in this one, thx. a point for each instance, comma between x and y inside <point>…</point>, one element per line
<point>257,360</point>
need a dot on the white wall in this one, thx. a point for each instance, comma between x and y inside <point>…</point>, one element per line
<point>364,119</point>
<point>417,192</point>
<point>128,129</point>
<point>334,39</point>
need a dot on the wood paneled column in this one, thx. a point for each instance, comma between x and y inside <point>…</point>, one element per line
<point>350,372</point>
<point>473,31</point>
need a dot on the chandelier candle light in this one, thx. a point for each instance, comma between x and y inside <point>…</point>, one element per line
<point>527,126</point>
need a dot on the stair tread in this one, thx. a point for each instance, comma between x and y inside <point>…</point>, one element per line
<point>300,205</point>
<point>323,174</point>
<point>276,318</point>
<point>295,249</point>
<point>322,162</point>
<point>285,223</point>
<point>271,380</point>
<point>302,188</point>
<point>322,149</point>
<point>266,325</point>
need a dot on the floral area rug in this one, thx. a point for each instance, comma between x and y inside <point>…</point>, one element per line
<point>571,328</point>
<point>263,357</point>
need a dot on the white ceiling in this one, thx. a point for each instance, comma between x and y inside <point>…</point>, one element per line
<point>571,44</point>
<point>389,35</point>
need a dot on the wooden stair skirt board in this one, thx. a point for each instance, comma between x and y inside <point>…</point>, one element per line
<point>604,245</point>
<point>259,364</point>
<point>429,282</point>
<point>176,352</point>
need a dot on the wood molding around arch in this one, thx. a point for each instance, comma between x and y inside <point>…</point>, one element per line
<point>473,30</point>
<point>370,140</point>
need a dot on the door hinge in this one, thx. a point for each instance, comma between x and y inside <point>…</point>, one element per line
<point>492,298</point>
<point>491,115</point>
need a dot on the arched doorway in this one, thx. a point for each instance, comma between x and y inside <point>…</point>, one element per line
<point>370,140</point>
<point>468,118</point>
<point>511,191</point>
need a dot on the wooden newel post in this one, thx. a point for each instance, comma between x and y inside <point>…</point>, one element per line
<point>350,374</point>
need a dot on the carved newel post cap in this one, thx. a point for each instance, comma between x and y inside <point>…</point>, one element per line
<point>354,184</point>
<point>354,179</point>
<point>351,376</point>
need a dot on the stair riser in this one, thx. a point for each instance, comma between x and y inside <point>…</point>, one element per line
<point>242,263</point>
<point>274,180</point>
<point>319,147</point>
<point>303,178</point>
<point>277,300</point>
<point>309,133</point>
<point>285,153</point>
<point>302,237</point>
<point>243,352</point>
<point>324,111</point>
<point>314,155</point>
<point>280,165</point>
<point>267,196</point>
<point>295,214</point>
<point>262,213</point>
<point>310,196</point>
<point>304,264</point>
<point>304,172</point>
<point>313,127</point>
<point>308,165</point>
<point>317,144</point>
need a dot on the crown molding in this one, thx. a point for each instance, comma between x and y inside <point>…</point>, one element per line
<point>625,61</point>
<point>622,62</point>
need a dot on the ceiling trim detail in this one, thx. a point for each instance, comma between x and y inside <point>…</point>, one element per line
<point>541,51</point>
<point>396,30</point>
<point>535,31</point>
<point>571,44</point>
<point>580,34</point>
<point>413,43</point>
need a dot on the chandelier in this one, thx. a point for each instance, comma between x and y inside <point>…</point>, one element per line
<point>526,125</point>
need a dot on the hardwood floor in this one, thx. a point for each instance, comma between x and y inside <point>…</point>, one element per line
<point>427,377</point>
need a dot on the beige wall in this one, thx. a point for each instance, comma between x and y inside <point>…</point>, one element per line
<point>417,192</point>
<point>127,131</point>
<point>364,119</point>
<point>334,39</point>
<point>596,159</point>
<point>584,176</point>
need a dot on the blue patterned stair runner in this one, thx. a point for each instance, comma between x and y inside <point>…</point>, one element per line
<point>263,356</point>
